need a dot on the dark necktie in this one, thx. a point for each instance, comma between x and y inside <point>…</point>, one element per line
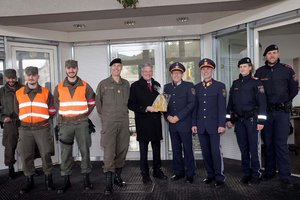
<point>149,86</point>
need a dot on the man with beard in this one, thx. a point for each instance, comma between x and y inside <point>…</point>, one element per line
<point>74,100</point>
<point>9,119</point>
<point>34,105</point>
<point>111,100</point>
<point>281,86</point>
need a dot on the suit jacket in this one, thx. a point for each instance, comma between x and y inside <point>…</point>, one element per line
<point>148,125</point>
<point>210,110</point>
<point>181,104</point>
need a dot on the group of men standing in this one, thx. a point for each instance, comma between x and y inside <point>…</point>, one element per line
<point>260,104</point>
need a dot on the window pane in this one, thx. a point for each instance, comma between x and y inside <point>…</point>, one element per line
<point>188,53</point>
<point>1,72</point>
<point>231,48</point>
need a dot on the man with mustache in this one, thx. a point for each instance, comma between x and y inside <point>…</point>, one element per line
<point>281,86</point>
<point>9,119</point>
<point>74,99</point>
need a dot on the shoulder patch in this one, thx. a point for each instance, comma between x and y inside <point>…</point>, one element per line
<point>289,66</point>
<point>295,77</point>
<point>224,92</point>
<point>261,89</point>
<point>193,91</point>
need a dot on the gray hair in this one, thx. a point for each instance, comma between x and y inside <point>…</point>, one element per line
<point>147,65</point>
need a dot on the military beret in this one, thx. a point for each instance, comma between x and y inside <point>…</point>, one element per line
<point>177,67</point>
<point>206,62</point>
<point>10,73</point>
<point>71,63</point>
<point>272,47</point>
<point>245,60</point>
<point>31,70</point>
<point>116,60</point>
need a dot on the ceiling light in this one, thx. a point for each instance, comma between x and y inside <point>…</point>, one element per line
<point>182,19</point>
<point>129,23</point>
<point>79,26</point>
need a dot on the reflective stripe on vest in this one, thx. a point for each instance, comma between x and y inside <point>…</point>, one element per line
<point>33,111</point>
<point>75,105</point>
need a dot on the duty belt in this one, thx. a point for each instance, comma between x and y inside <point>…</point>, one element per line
<point>245,115</point>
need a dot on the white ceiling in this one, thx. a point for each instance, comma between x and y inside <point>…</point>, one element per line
<point>113,16</point>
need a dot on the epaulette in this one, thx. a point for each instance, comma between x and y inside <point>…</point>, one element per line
<point>255,78</point>
<point>289,66</point>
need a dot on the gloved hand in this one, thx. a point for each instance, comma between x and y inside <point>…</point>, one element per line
<point>91,127</point>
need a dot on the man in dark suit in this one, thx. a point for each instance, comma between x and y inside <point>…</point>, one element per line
<point>179,116</point>
<point>147,120</point>
<point>209,120</point>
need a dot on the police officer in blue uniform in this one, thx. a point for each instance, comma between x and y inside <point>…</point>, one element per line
<point>179,116</point>
<point>247,110</point>
<point>281,86</point>
<point>209,120</point>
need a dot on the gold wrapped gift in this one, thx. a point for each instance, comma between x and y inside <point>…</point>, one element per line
<point>161,103</point>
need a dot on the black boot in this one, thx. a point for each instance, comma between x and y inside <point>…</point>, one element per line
<point>11,172</point>
<point>49,182</point>
<point>65,186</point>
<point>118,180</point>
<point>109,187</point>
<point>86,182</point>
<point>28,186</point>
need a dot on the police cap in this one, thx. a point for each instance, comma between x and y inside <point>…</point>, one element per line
<point>272,47</point>
<point>116,60</point>
<point>31,70</point>
<point>71,63</point>
<point>177,67</point>
<point>245,60</point>
<point>206,62</point>
<point>10,73</point>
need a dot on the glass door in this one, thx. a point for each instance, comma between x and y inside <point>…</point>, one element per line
<point>133,57</point>
<point>22,55</point>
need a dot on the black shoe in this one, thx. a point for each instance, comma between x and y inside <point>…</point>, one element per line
<point>287,184</point>
<point>208,180</point>
<point>147,180</point>
<point>28,186</point>
<point>245,180</point>
<point>49,182</point>
<point>118,180</point>
<point>160,175</point>
<point>86,182</point>
<point>11,172</point>
<point>176,177</point>
<point>189,179</point>
<point>66,185</point>
<point>219,184</point>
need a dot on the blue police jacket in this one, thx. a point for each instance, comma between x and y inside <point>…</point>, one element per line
<point>247,99</point>
<point>181,104</point>
<point>210,107</point>
<point>280,82</point>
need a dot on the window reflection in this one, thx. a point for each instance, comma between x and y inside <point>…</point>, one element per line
<point>38,59</point>
<point>188,53</point>
<point>132,60</point>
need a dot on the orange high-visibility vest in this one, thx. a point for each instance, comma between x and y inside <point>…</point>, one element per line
<point>33,111</point>
<point>75,105</point>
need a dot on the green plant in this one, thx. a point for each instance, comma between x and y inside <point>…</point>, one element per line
<point>128,3</point>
